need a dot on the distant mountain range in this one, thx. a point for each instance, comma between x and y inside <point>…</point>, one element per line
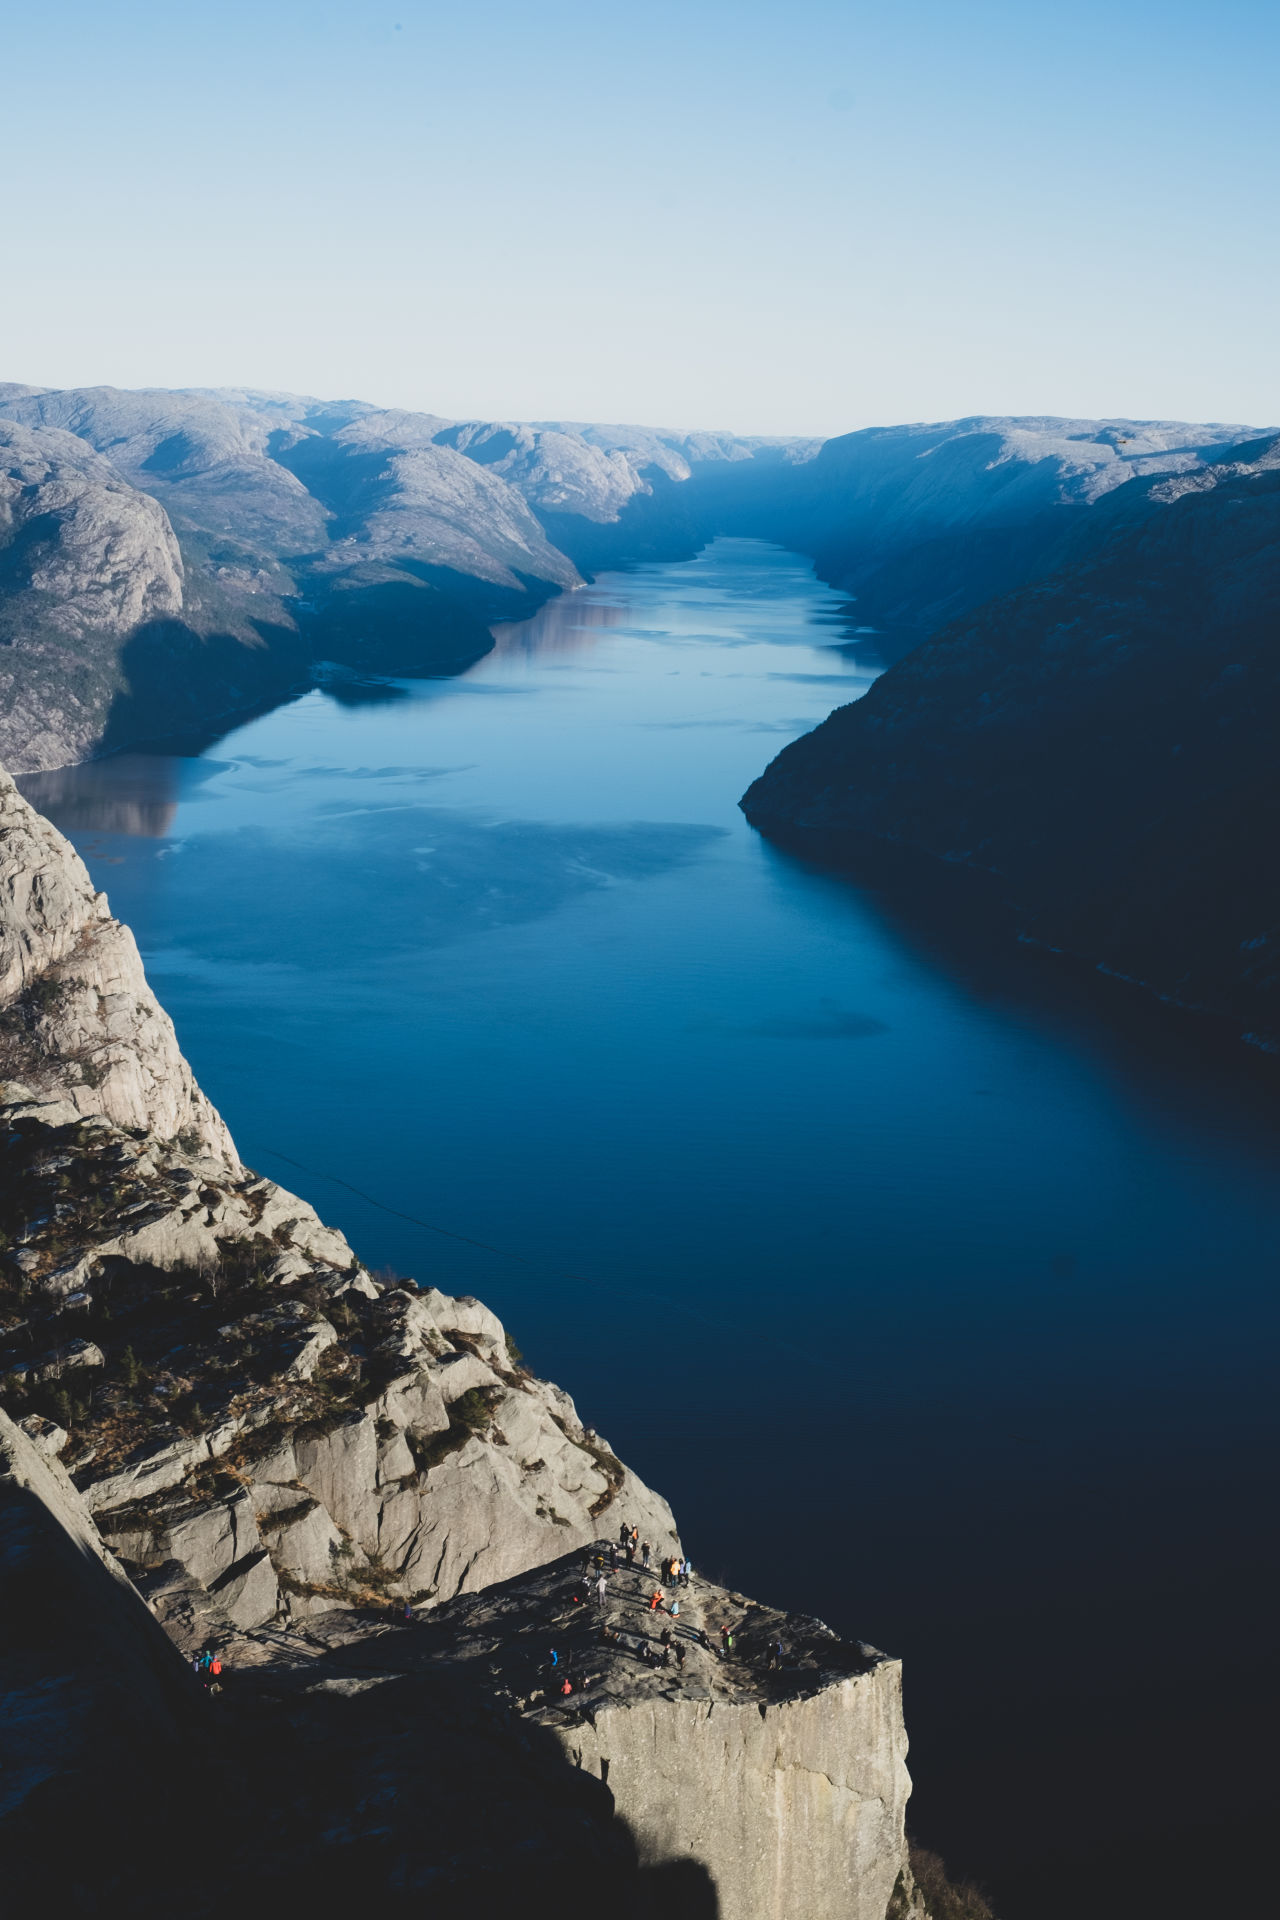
<point>171,559</point>
<point>1083,615</point>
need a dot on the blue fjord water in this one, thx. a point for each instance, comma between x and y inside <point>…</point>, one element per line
<point>937,1295</point>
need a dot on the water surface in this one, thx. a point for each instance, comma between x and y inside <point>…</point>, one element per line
<point>939,1302</point>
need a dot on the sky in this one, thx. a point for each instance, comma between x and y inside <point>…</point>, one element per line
<point>774,216</point>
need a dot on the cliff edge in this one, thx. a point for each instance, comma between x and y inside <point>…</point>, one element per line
<point>207,1399</point>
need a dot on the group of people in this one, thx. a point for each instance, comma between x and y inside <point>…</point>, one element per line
<point>676,1570</point>
<point>669,1648</point>
<point>207,1668</point>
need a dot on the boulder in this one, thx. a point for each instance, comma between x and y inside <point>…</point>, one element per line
<point>249,1592</point>
<point>45,1435</point>
<point>340,1467</point>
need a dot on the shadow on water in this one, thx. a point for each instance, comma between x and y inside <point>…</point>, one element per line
<point>132,793</point>
<point>959,923</point>
<point>1083,1498</point>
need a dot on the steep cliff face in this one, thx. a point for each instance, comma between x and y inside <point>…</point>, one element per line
<point>435,1764</point>
<point>282,1449</point>
<point>1099,746</point>
<point>773,1765</point>
<point>244,1397</point>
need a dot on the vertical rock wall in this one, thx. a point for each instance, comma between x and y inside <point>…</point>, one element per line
<point>796,1807</point>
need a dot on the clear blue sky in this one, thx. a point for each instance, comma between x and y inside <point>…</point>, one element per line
<point>772,215</point>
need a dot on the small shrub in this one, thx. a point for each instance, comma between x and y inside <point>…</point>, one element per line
<point>432,1448</point>
<point>943,1897</point>
<point>46,993</point>
<point>188,1413</point>
<point>474,1408</point>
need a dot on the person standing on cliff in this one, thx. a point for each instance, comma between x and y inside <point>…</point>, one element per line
<point>644,1555</point>
<point>602,1589</point>
<point>631,1553</point>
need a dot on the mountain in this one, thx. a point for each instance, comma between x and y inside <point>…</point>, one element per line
<point>244,537</point>
<point>1098,745</point>
<point>171,559</point>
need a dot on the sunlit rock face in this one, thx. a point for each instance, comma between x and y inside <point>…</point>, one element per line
<point>82,1029</point>
<point>292,1431</point>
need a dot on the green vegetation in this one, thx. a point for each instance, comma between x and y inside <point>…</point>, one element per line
<point>470,1414</point>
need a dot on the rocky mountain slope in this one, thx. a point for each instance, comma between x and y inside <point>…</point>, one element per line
<point>202,1388</point>
<point>222,542</point>
<point>226,541</point>
<point>1099,745</point>
<point>920,523</point>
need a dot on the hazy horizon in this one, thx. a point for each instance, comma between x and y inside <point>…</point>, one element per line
<point>647,426</point>
<point>782,221</point>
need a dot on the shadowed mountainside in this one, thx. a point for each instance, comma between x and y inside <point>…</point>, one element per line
<point>1098,746</point>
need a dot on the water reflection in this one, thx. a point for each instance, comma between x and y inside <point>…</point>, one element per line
<point>571,623</point>
<point>133,793</point>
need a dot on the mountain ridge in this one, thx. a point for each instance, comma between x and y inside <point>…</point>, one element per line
<point>386,541</point>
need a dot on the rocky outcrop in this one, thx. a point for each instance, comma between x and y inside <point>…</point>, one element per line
<point>438,1760</point>
<point>245,1399</point>
<point>1095,752</point>
<point>765,1778</point>
<point>77,1018</point>
<point>792,1785</point>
